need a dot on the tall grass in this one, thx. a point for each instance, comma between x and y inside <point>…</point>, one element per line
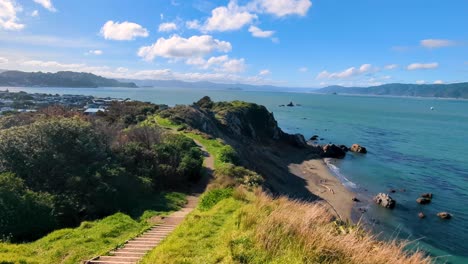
<point>252,227</point>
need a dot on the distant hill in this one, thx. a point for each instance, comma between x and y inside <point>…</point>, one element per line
<point>455,90</point>
<point>206,85</point>
<point>59,79</point>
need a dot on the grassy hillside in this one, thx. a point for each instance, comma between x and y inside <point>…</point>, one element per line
<point>251,227</point>
<point>72,245</point>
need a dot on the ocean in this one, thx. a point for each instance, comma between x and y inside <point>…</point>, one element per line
<point>412,150</point>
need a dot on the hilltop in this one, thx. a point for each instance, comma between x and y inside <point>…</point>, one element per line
<point>59,79</point>
<point>455,90</point>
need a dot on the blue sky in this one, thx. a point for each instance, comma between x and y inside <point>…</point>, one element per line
<point>308,43</point>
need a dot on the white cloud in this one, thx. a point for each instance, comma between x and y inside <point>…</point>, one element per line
<point>303,69</point>
<point>52,64</point>
<point>221,64</point>
<point>161,16</point>
<point>8,15</point>
<point>422,66</point>
<point>439,82</point>
<point>264,72</point>
<point>350,72</point>
<point>47,4</point>
<point>35,13</point>
<point>391,66</point>
<point>225,18</point>
<point>123,31</point>
<point>193,24</point>
<point>179,47</point>
<point>420,82</point>
<point>167,27</point>
<point>3,60</point>
<point>95,52</point>
<point>257,32</point>
<point>283,8</point>
<point>48,41</point>
<point>437,43</point>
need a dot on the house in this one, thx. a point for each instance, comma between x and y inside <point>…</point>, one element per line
<point>93,111</point>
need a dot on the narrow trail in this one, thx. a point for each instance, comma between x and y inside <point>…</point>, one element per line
<point>135,249</point>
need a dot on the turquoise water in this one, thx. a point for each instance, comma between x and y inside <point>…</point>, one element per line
<point>410,147</point>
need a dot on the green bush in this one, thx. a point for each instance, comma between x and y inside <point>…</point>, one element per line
<point>212,197</point>
<point>227,154</point>
<point>23,213</point>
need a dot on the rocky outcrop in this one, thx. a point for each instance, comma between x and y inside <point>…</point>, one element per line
<point>244,122</point>
<point>422,200</point>
<point>344,148</point>
<point>385,200</point>
<point>427,195</point>
<point>444,215</point>
<point>358,149</point>
<point>296,140</point>
<point>314,137</point>
<point>333,151</point>
<point>421,215</point>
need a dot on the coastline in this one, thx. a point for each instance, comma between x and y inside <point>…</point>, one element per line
<point>323,183</point>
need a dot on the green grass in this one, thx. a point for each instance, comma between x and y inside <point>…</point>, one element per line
<point>202,238</point>
<point>214,146</point>
<point>90,239</point>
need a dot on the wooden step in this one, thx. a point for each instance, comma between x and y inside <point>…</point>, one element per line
<point>119,258</point>
<point>128,253</point>
<point>111,262</point>
<point>133,249</point>
<point>142,247</point>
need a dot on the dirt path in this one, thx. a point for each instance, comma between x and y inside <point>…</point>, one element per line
<point>135,249</point>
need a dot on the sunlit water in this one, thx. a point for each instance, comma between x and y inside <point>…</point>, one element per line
<point>411,147</point>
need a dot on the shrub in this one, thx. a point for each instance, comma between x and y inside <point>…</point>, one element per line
<point>23,214</point>
<point>227,154</point>
<point>212,197</point>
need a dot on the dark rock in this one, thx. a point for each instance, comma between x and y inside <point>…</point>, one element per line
<point>356,200</point>
<point>392,191</point>
<point>358,149</point>
<point>281,105</point>
<point>321,138</point>
<point>344,148</point>
<point>384,200</point>
<point>421,215</point>
<point>290,104</point>
<point>296,140</point>
<point>422,200</point>
<point>314,137</point>
<point>333,151</point>
<point>427,195</point>
<point>444,215</point>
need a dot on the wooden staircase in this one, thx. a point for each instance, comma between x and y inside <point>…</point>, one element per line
<point>135,249</point>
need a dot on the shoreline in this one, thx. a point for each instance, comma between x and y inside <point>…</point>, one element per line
<point>323,183</point>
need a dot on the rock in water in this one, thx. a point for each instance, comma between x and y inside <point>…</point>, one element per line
<point>444,215</point>
<point>384,200</point>
<point>422,200</point>
<point>421,215</point>
<point>358,149</point>
<point>333,151</point>
<point>314,137</point>
<point>344,148</point>
<point>427,195</point>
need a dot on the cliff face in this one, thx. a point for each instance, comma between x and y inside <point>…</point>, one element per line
<point>240,121</point>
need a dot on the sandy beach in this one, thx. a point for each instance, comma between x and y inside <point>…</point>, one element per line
<point>321,182</point>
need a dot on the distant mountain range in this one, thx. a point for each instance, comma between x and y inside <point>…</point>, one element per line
<point>88,80</point>
<point>59,79</point>
<point>455,90</point>
<point>202,85</point>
